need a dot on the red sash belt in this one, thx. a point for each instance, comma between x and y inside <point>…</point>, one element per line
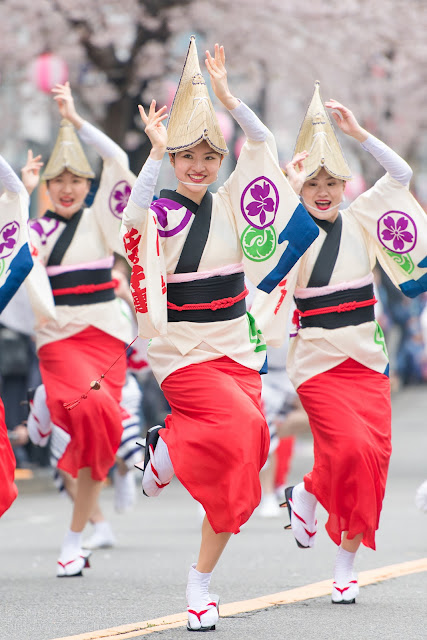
<point>223,303</point>
<point>339,308</point>
<point>85,288</point>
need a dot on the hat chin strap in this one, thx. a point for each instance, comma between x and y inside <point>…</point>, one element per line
<point>308,206</point>
<point>197,184</point>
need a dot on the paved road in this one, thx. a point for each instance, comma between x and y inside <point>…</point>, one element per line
<point>144,576</point>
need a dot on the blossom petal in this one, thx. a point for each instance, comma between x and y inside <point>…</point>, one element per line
<point>406,236</point>
<point>262,217</point>
<point>254,208</point>
<point>401,224</point>
<point>389,222</point>
<point>387,234</point>
<point>398,243</point>
<point>269,204</point>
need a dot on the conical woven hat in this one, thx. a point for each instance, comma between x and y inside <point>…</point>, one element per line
<point>317,136</point>
<point>192,117</point>
<point>67,154</point>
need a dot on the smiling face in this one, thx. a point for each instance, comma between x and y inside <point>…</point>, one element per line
<point>68,193</point>
<point>196,168</point>
<point>322,195</point>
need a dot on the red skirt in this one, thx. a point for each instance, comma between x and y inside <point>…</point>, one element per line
<point>8,490</point>
<point>95,424</point>
<point>218,438</point>
<point>350,417</point>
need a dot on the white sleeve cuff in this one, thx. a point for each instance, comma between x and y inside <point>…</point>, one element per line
<point>100,141</point>
<point>249,122</point>
<point>143,189</point>
<point>398,168</point>
<point>9,178</point>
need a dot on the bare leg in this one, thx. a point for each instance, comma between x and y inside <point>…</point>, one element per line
<point>211,548</point>
<point>267,474</point>
<point>70,485</point>
<point>353,544</point>
<point>85,500</point>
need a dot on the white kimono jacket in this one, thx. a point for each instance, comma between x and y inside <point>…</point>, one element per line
<point>257,225</point>
<point>15,256</point>
<point>384,223</point>
<point>96,238</point>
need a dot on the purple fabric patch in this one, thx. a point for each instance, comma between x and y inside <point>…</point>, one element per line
<point>162,207</point>
<point>119,197</point>
<point>46,229</point>
<point>8,239</point>
<point>397,231</point>
<point>259,202</point>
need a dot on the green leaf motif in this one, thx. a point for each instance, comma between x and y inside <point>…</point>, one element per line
<point>258,244</point>
<point>2,266</point>
<point>403,260</point>
<point>255,335</point>
<point>379,338</point>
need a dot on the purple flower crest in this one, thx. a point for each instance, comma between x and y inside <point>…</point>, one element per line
<point>259,202</point>
<point>119,198</point>
<point>397,231</point>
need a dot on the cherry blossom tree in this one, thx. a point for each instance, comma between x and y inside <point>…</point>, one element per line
<point>368,54</point>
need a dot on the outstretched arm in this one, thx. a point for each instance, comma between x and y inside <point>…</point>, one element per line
<point>143,189</point>
<point>297,178</point>
<point>388,159</point>
<point>89,134</point>
<point>9,178</point>
<point>249,122</point>
<point>30,172</point>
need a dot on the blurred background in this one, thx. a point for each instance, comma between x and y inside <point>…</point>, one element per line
<point>369,54</point>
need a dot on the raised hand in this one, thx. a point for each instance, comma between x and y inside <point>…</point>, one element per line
<point>218,74</point>
<point>155,129</point>
<point>346,120</point>
<point>297,178</point>
<point>64,99</point>
<point>30,172</point>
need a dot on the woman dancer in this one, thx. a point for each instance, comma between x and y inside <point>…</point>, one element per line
<point>337,359</point>
<point>15,264</point>
<point>206,351</point>
<point>81,329</point>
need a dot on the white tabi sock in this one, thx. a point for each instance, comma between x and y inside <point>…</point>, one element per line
<point>304,505</point>
<point>344,561</point>
<point>162,473</point>
<point>202,609</point>
<point>302,496</point>
<point>71,546</point>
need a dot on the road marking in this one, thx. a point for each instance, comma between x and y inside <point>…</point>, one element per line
<point>315,590</point>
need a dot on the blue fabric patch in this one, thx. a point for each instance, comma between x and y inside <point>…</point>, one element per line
<point>264,368</point>
<point>423,263</point>
<point>18,270</point>
<point>413,288</point>
<point>387,371</point>
<point>301,232</point>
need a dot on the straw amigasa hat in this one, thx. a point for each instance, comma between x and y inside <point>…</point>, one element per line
<point>67,155</point>
<point>192,117</point>
<point>317,136</point>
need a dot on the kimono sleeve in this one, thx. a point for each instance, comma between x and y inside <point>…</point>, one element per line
<point>274,231</point>
<point>148,277</point>
<point>397,225</point>
<point>111,199</point>
<point>15,256</point>
<point>37,283</point>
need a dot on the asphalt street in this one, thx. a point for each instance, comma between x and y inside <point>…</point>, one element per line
<point>143,577</point>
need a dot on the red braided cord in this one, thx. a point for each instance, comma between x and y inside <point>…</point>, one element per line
<point>224,303</point>
<point>86,288</point>
<point>72,405</point>
<point>339,308</point>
